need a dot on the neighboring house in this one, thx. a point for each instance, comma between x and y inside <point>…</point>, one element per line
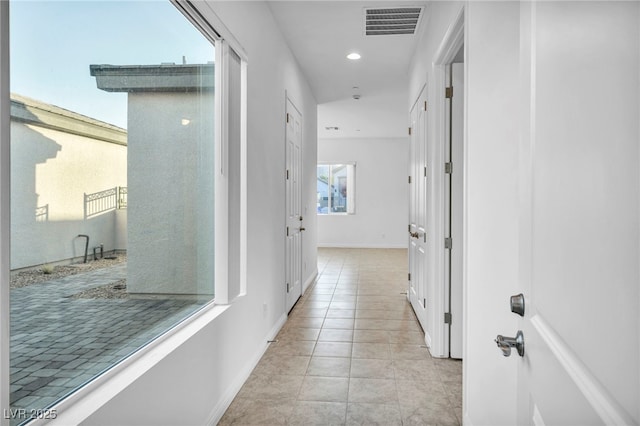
<point>338,195</point>
<point>323,194</point>
<point>66,169</point>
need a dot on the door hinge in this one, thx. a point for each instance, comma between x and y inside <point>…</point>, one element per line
<point>409,276</point>
<point>448,168</point>
<point>409,178</point>
<point>424,303</point>
<point>287,174</point>
<point>425,236</point>
<point>287,231</point>
<point>409,227</point>
<point>448,243</point>
<point>287,122</point>
<point>447,317</point>
<point>425,105</point>
<point>448,92</point>
<point>409,131</point>
<point>287,287</point>
<point>425,171</point>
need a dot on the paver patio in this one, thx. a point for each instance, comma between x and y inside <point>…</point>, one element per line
<point>58,343</point>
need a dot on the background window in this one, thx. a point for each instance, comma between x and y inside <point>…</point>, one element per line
<point>335,188</point>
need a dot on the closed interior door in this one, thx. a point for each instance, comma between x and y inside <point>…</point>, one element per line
<point>418,209</point>
<point>579,215</point>
<point>294,226</point>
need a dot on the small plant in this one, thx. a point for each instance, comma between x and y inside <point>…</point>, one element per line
<point>47,269</point>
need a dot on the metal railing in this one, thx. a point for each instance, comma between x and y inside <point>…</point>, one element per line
<point>42,213</point>
<point>103,201</point>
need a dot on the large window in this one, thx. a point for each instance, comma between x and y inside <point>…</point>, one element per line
<point>116,208</point>
<point>335,188</point>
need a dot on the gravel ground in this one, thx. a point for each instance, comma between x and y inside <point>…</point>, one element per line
<point>36,276</point>
<point>117,290</point>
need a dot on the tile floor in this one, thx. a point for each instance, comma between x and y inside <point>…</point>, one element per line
<point>352,353</point>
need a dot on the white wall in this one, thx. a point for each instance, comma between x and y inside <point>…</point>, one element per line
<point>54,168</point>
<point>381,193</point>
<point>194,383</point>
<point>493,45</point>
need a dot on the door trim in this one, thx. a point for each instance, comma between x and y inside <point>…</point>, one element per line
<point>453,40</point>
<point>449,47</point>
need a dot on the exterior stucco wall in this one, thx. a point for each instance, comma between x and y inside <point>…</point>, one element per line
<point>51,170</point>
<point>170,232</point>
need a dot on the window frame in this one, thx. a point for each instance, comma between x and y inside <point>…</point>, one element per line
<point>5,207</point>
<point>88,398</point>
<point>203,18</point>
<point>351,188</point>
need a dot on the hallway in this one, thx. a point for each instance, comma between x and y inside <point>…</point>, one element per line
<point>351,352</point>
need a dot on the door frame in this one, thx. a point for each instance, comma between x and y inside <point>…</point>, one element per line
<point>453,209</point>
<point>451,43</point>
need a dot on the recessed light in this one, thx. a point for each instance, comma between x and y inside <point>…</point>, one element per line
<point>353,56</point>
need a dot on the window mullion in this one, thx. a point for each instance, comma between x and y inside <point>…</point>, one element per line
<point>330,202</point>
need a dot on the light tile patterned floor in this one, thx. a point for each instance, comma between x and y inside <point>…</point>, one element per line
<point>352,353</point>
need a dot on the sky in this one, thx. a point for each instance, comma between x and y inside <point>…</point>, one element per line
<point>54,42</point>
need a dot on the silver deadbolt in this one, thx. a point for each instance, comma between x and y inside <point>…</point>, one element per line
<point>506,343</point>
<point>517,304</point>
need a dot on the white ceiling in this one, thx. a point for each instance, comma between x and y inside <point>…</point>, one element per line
<point>321,34</point>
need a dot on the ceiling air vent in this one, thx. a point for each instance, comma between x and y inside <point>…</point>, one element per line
<point>391,21</point>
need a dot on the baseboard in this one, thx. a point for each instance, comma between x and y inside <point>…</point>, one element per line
<point>362,245</point>
<point>309,280</point>
<point>226,400</point>
<point>466,421</point>
<point>68,261</point>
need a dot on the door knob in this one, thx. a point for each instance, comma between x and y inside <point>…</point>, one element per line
<point>302,228</point>
<point>517,304</point>
<point>414,234</point>
<point>506,343</point>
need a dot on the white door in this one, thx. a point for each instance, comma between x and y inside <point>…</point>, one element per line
<point>579,218</point>
<point>418,209</point>
<point>453,210</point>
<point>294,227</point>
